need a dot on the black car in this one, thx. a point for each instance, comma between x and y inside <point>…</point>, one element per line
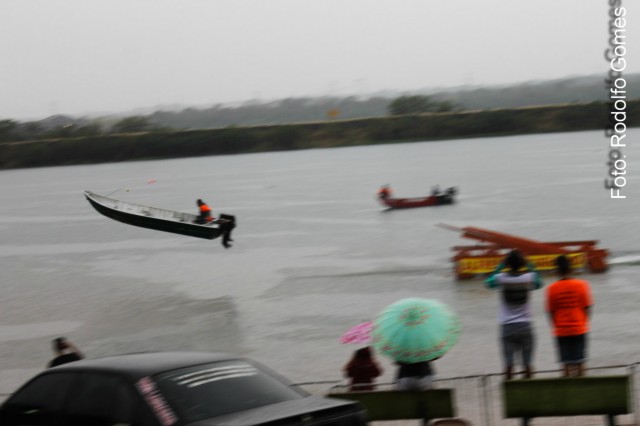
<point>170,389</point>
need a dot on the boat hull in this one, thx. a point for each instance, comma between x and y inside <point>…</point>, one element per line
<point>156,219</point>
<point>407,203</point>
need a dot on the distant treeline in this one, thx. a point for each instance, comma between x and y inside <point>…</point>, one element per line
<point>563,91</point>
<point>332,133</point>
<point>573,90</point>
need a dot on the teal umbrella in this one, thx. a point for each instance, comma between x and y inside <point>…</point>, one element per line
<point>414,330</point>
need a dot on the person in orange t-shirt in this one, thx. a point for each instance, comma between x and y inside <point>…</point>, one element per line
<point>568,303</point>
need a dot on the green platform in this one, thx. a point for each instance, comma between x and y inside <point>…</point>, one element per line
<point>403,405</point>
<point>580,396</point>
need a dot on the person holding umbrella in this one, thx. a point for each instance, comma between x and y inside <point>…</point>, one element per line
<point>516,323</point>
<point>415,376</point>
<point>414,332</point>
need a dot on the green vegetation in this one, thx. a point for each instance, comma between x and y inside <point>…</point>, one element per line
<point>418,104</point>
<point>65,127</point>
<point>573,90</point>
<point>334,133</point>
<point>132,124</point>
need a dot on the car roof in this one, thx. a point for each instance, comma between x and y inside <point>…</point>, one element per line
<point>144,364</point>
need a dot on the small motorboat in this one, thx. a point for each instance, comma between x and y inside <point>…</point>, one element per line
<point>436,199</point>
<point>161,219</point>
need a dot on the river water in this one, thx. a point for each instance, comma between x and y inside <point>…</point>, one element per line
<point>314,252</point>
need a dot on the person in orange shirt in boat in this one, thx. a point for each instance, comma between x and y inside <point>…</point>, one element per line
<point>227,223</point>
<point>569,303</point>
<point>204,214</point>
<point>384,191</point>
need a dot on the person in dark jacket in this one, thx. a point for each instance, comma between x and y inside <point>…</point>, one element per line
<point>362,369</point>
<point>415,376</point>
<point>65,351</point>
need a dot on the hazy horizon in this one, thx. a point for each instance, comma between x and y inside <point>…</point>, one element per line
<point>143,110</point>
<point>79,58</point>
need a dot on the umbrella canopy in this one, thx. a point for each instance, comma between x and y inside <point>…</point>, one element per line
<point>414,330</point>
<point>360,333</point>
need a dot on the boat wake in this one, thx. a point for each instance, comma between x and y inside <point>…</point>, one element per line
<point>629,259</point>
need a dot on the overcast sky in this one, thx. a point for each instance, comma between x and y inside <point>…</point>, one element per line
<point>88,56</point>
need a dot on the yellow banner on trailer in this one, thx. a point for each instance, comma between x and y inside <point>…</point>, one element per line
<point>543,262</point>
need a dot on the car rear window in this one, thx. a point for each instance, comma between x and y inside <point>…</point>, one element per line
<point>44,394</point>
<point>221,388</point>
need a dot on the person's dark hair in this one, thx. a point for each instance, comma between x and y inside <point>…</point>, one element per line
<point>59,344</point>
<point>514,260</point>
<point>363,353</point>
<point>564,265</point>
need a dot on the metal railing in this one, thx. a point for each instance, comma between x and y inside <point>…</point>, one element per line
<point>478,398</point>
